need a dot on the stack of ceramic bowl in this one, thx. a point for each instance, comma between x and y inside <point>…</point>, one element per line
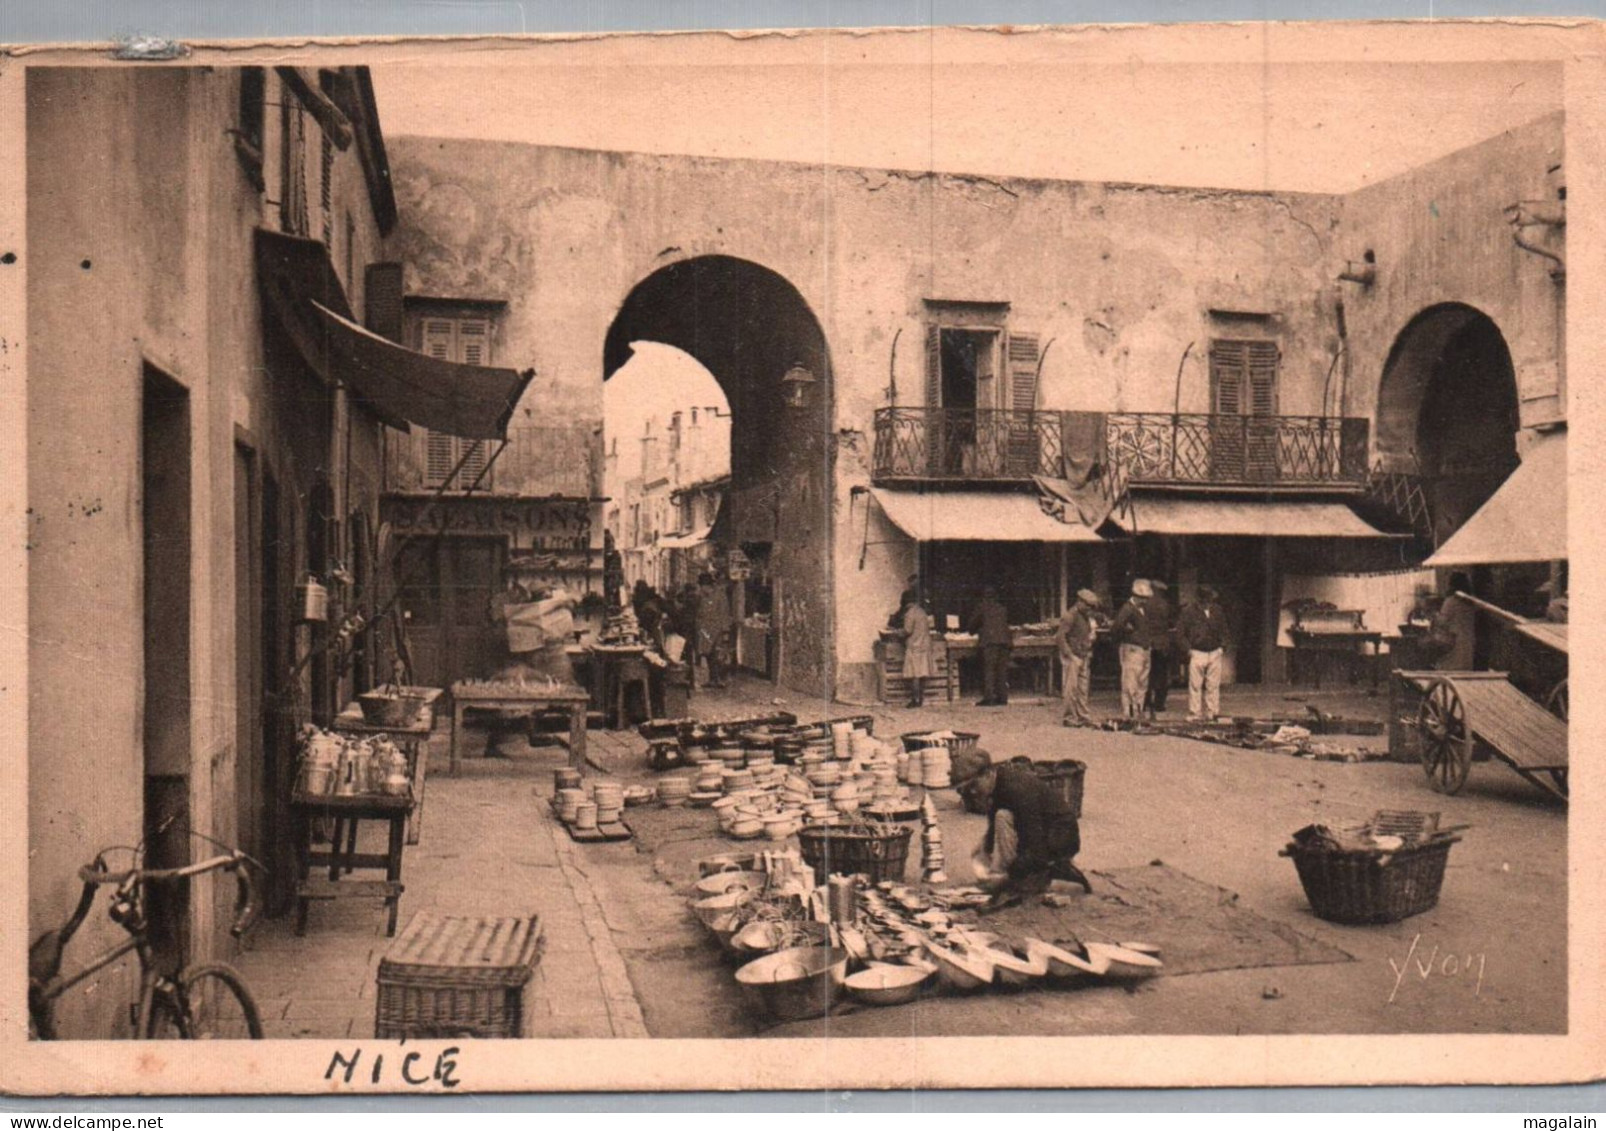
<point>781,823</point>
<point>738,780</point>
<point>568,801</point>
<point>710,778</point>
<point>565,778</point>
<point>730,752</point>
<point>905,763</point>
<point>789,748</point>
<point>796,790</point>
<point>845,798</point>
<point>585,815</point>
<point>674,790</point>
<point>824,777</point>
<point>610,799</point>
<point>934,861</point>
<point>863,745</point>
<point>936,767</point>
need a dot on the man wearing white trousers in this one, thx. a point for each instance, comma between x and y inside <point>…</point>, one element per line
<point>1203,628</point>
<point>1131,631</point>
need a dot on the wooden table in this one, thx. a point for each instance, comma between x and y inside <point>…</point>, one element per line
<point>1033,648</point>
<point>413,739</point>
<point>512,697</point>
<point>606,660</point>
<point>343,858</point>
<point>1311,648</point>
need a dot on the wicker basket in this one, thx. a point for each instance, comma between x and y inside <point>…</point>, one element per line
<point>962,742</point>
<point>1069,777</point>
<point>851,852</point>
<point>451,976</point>
<point>1359,887</point>
<point>381,709</point>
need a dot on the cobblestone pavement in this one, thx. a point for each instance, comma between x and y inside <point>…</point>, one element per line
<point>488,847</point>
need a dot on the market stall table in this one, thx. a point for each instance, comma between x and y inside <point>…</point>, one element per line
<point>412,738</point>
<point>1032,648</point>
<point>343,808</point>
<point>608,663</point>
<point>504,695</point>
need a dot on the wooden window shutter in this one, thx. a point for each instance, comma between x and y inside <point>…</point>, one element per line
<point>933,430</point>
<point>1262,368</point>
<point>1022,359</point>
<point>474,341</point>
<point>438,338</point>
<point>1229,363</point>
<point>1021,354</point>
<point>382,290</point>
<point>439,457</point>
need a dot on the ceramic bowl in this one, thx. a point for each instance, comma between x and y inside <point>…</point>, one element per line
<point>890,985</point>
<point>746,828</point>
<point>723,883</point>
<point>795,983</point>
<point>962,972</point>
<point>1124,964</point>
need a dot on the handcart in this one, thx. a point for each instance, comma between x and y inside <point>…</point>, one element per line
<point>1464,712</point>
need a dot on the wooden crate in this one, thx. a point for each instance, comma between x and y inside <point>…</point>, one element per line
<point>891,684</point>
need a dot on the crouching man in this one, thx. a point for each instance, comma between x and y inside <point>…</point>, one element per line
<point>1032,837</point>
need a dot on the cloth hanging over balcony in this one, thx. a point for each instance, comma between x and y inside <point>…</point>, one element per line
<point>1153,513</point>
<point>1525,520</point>
<point>977,516</point>
<point>400,385</point>
<point>1065,501</point>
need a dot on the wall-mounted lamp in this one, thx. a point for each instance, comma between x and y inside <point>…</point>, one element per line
<point>1364,273</point>
<point>796,385</point>
<point>1548,215</point>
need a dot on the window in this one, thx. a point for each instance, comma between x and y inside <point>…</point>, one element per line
<point>466,339</point>
<point>981,387</point>
<point>293,179</point>
<point>1243,377</point>
<point>248,137</point>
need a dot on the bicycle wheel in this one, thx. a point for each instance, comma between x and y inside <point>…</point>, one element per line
<point>216,1005</point>
<point>168,1019</point>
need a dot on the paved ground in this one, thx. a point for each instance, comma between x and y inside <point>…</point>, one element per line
<point>625,957</point>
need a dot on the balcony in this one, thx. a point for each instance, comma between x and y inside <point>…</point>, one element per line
<point>935,445</point>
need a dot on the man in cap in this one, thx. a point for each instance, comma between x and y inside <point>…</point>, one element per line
<point>1075,640</point>
<point>1161,649</point>
<point>1203,629</point>
<point>1032,835</point>
<point>1132,634</point>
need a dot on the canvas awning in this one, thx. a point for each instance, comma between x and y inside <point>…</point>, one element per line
<point>400,385</point>
<point>685,541</point>
<point>977,516</point>
<point>1525,520</point>
<point>1271,518</point>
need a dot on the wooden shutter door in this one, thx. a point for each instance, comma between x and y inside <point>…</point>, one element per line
<point>933,431</point>
<point>1021,354</point>
<point>1229,365</point>
<point>1261,411</point>
<point>438,339</point>
<point>382,300</point>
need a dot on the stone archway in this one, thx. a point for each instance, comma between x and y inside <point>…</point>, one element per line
<point>1448,412</point>
<point>748,326</point>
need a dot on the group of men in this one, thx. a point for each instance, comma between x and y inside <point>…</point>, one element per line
<point>1151,642</point>
<point>700,614</point>
<point>989,622</point>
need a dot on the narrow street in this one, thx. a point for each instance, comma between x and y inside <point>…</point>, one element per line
<point>624,956</point>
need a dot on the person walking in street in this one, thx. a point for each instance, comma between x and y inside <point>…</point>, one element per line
<point>918,665</point>
<point>1074,638</point>
<point>1203,628</point>
<point>990,623</point>
<point>1160,623</point>
<point>713,626</point>
<point>1132,634</point>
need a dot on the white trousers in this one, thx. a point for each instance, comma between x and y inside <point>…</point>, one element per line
<point>1204,684</point>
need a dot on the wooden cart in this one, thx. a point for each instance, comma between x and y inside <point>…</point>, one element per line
<point>1464,712</point>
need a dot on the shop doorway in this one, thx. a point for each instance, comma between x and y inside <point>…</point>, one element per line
<point>165,453</point>
<point>447,588</point>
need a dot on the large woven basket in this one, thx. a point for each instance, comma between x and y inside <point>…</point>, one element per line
<point>962,741</point>
<point>832,850</point>
<point>385,710</point>
<point>451,976</point>
<point>1359,887</point>
<point>1068,777</point>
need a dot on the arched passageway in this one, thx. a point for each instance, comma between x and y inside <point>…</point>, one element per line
<point>1447,410</point>
<point>750,328</point>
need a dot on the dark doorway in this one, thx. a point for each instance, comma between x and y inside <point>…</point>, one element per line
<point>1448,412</point>
<point>248,770</point>
<point>165,521</point>
<point>273,713</point>
<point>447,590</point>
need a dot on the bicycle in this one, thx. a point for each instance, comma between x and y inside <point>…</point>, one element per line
<point>204,1001</point>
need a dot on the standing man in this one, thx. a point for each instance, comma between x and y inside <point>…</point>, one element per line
<point>918,664</point>
<point>1161,644</point>
<point>1132,634</point>
<point>713,626</point>
<point>1075,640</point>
<point>990,623</point>
<point>1204,629</point>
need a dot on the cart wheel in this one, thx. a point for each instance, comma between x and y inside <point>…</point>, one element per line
<point>1556,701</point>
<point>1445,736</point>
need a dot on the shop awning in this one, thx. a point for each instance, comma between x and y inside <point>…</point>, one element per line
<point>400,385</point>
<point>1273,518</point>
<point>1525,520</point>
<point>977,516</point>
<point>685,541</point>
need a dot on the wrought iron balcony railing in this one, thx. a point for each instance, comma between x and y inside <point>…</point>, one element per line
<point>921,444</point>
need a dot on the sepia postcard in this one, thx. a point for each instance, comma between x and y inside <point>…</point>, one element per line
<point>919,557</point>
